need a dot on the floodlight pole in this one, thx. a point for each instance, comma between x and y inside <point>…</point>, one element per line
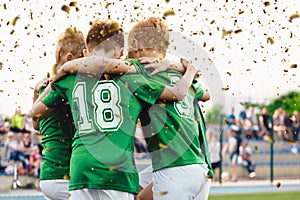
<point>221,146</point>
<point>271,150</point>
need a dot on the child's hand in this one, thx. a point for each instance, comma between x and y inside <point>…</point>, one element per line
<point>159,65</point>
<point>186,64</point>
<point>42,84</point>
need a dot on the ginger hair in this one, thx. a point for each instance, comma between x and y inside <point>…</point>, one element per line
<point>70,41</point>
<point>152,33</point>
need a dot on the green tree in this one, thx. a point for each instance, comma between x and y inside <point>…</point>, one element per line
<point>288,102</point>
<point>213,115</point>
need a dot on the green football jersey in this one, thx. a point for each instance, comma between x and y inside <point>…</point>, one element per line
<point>105,113</point>
<point>171,129</point>
<point>57,130</point>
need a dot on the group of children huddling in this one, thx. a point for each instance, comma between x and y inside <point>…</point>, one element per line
<point>89,110</point>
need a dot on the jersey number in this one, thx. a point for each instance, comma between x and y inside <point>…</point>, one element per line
<point>106,102</point>
<point>183,108</point>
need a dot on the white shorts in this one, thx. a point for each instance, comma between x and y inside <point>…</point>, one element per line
<point>87,193</point>
<point>146,176</point>
<point>183,182</point>
<point>55,189</point>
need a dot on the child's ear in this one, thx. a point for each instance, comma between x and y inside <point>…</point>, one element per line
<point>85,52</point>
<point>69,57</point>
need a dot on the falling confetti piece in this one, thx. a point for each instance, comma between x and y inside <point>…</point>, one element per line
<point>1,90</point>
<point>248,70</point>
<point>225,33</point>
<point>285,70</point>
<point>14,21</point>
<point>73,3</point>
<point>66,8</point>
<point>228,73</point>
<point>292,141</point>
<point>12,32</point>
<point>278,184</point>
<point>271,40</point>
<point>107,4</point>
<point>169,12</point>
<point>161,145</point>
<point>167,1</point>
<point>294,16</point>
<point>225,89</point>
<point>267,3</point>
<point>161,193</point>
<point>241,12</point>
<point>293,66</point>
<point>226,121</point>
<point>256,148</point>
<point>209,176</point>
<point>238,31</point>
<point>67,177</point>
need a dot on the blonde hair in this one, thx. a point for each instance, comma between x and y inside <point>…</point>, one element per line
<point>152,33</point>
<point>70,41</point>
<point>105,30</point>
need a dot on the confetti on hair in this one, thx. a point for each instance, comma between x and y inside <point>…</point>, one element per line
<point>14,21</point>
<point>169,12</point>
<point>66,8</point>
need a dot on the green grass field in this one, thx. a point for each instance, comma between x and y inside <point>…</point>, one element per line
<point>261,196</point>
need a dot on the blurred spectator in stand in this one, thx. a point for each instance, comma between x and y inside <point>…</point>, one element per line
<point>278,123</point>
<point>295,131</point>
<point>245,159</point>
<point>215,151</point>
<point>26,145</point>
<point>140,146</point>
<point>264,120</point>
<point>35,161</point>
<point>18,154</point>
<point>230,119</point>
<point>232,147</point>
<point>288,125</point>
<point>17,124</point>
<point>241,120</point>
<point>251,124</point>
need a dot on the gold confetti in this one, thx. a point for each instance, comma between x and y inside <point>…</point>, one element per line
<point>1,90</point>
<point>294,16</point>
<point>107,4</point>
<point>169,12</point>
<point>67,177</point>
<point>208,176</point>
<point>226,121</point>
<point>225,88</point>
<point>270,40</point>
<point>278,184</point>
<point>228,73</point>
<point>161,193</point>
<point>161,145</point>
<point>112,168</point>
<point>225,33</point>
<point>256,148</point>
<point>73,3</point>
<point>12,32</point>
<point>241,12</point>
<point>14,21</point>
<point>267,3</point>
<point>238,31</point>
<point>285,70</point>
<point>293,66</point>
<point>167,1</point>
<point>66,8</point>
<point>292,141</point>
